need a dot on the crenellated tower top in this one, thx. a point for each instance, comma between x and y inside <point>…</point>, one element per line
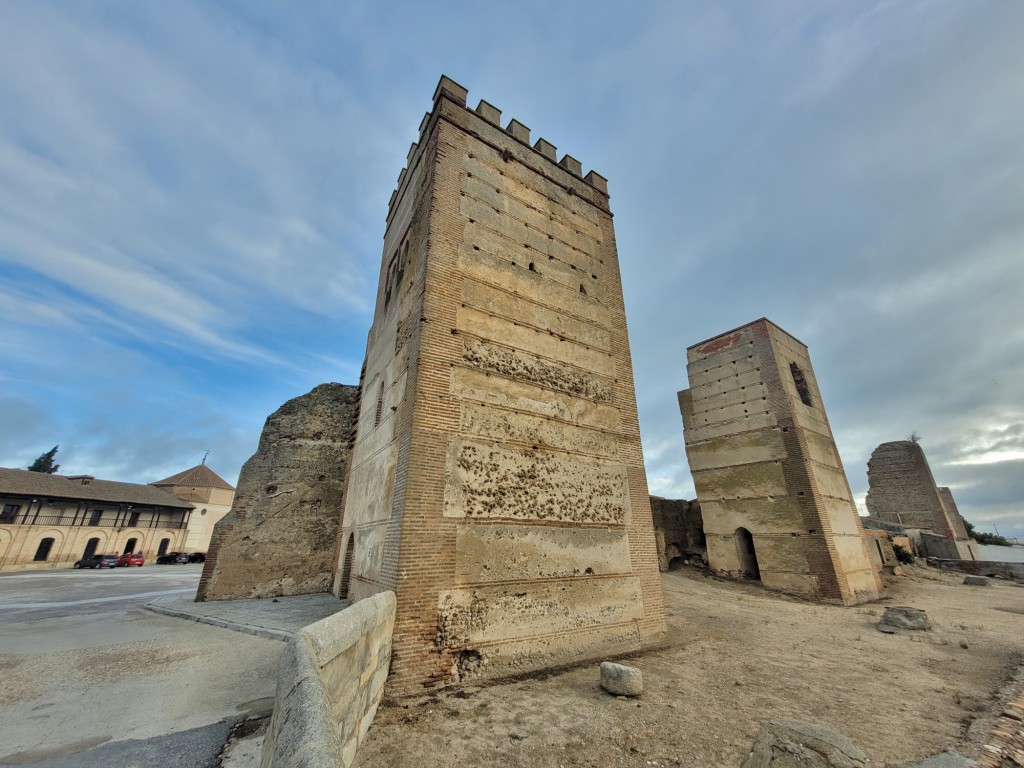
<point>448,89</point>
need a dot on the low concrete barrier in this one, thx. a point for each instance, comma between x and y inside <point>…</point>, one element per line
<point>329,684</point>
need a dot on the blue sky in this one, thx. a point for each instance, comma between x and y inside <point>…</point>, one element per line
<point>192,204</point>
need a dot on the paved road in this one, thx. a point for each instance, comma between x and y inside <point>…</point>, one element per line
<point>88,678</point>
<point>32,595</point>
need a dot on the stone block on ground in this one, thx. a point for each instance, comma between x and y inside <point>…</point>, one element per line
<point>904,617</point>
<point>621,680</point>
<point>977,581</point>
<point>795,744</point>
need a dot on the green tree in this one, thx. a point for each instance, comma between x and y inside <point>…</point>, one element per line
<point>986,538</point>
<point>45,462</point>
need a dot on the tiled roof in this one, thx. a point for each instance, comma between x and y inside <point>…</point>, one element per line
<point>20,482</point>
<point>200,476</point>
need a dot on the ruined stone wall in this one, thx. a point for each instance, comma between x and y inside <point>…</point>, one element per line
<point>501,493</point>
<point>766,468</point>
<point>279,537</point>
<point>678,528</point>
<point>956,520</point>
<point>902,490</point>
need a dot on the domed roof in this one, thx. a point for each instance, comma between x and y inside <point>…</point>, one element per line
<point>199,476</point>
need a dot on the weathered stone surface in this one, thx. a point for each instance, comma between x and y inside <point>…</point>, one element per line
<point>621,680</point>
<point>977,581</point>
<point>886,629</point>
<point>903,617</point>
<point>279,537</point>
<point>795,744</point>
<point>488,481</point>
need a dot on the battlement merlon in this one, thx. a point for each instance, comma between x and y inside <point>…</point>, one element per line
<point>450,91</point>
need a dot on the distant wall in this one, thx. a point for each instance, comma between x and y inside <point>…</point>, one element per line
<point>678,528</point>
<point>279,538</point>
<point>329,685</point>
<point>1001,554</point>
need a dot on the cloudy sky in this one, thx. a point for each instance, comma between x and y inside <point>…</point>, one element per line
<point>192,204</point>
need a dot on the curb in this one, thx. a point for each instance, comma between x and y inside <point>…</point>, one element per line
<point>270,634</point>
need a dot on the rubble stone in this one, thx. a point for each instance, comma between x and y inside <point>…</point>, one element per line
<point>903,617</point>
<point>621,680</point>
<point>795,744</point>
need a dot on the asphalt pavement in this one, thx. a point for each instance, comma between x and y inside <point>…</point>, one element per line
<point>33,595</point>
<point>91,678</point>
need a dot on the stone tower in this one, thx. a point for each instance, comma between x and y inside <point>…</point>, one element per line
<point>902,490</point>
<point>497,481</point>
<point>773,494</point>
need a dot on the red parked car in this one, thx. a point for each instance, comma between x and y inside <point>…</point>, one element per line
<point>131,558</point>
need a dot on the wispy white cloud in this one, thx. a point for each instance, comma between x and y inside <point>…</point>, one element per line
<point>192,204</point>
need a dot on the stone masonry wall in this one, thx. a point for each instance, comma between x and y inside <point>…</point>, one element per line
<point>279,537</point>
<point>766,469</point>
<point>497,481</point>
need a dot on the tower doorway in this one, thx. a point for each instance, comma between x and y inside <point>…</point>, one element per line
<point>747,554</point>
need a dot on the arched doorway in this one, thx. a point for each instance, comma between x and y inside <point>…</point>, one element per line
<point>346,567</point>
<point>164,543</point>
<point>747,554</point>
<point>43,550</point>
<point>90,548</point>
<point>129,546</point>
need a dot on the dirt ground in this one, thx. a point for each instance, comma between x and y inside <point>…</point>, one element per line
<point>738,656</point>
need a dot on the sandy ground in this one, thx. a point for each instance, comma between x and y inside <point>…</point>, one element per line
<point>738,656</point>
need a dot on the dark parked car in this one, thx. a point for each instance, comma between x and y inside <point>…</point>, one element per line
<point>197,557</point>
<point>131,558</point>
<point>97,561</point>
<point>172,558</point>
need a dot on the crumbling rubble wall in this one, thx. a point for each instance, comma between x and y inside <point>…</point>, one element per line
<point>902,490</point>
<point>279,537</point>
